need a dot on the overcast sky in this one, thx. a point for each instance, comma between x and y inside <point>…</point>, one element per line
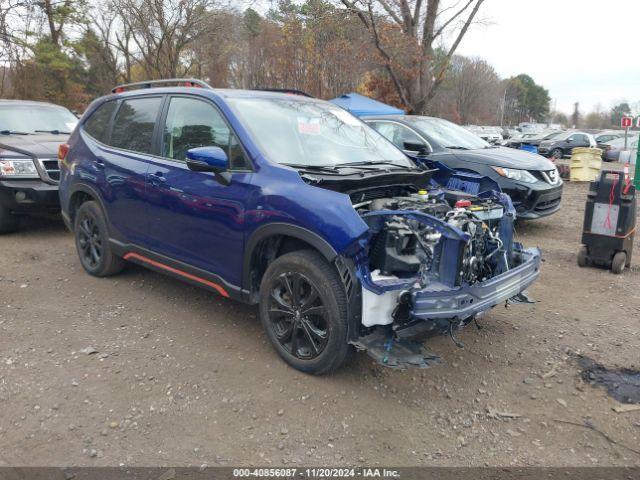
<point>574,48</point>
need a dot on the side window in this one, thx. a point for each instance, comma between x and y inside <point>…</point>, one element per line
<point>98,124</point>
<point>398,134</point>
<point>195,123</point>
<point>387,130</point>
<point>582,139</point>
<point>134,124</point>
<point>406,135</point>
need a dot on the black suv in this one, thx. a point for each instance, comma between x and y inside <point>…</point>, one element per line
<point>532,182</point>
<point>30,135</point>
<point>561,146</point>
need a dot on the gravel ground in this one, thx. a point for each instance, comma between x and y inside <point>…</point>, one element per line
<point>141,369</point>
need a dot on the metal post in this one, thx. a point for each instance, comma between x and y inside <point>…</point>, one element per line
<point>636,176</point>
<point>626,134</point>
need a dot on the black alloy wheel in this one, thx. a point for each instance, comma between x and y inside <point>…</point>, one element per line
<point>89,240</point>
<point>303,310</point>
<point>92,241</point>
<point>297,316</point>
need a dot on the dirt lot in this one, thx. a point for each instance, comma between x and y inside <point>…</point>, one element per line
<point>182,377</point>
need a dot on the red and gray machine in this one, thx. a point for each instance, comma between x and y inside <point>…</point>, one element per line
<point>609,222</point>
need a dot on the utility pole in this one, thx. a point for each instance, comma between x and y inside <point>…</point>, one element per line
<point>504,101</point>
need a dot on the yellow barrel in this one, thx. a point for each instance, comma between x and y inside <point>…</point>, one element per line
<point>585,164</point>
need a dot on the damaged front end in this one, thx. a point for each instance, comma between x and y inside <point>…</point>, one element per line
<point>432,262</point>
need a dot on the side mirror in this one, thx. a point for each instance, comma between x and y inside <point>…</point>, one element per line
<point>569,140</point>
<point>210,159</point>
<point>415,148</point>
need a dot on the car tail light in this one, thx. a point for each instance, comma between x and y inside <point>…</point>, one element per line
<point>63,150</point>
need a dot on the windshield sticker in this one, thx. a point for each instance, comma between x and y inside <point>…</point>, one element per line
<point>309,126</point>
<point>71,125</point>
<point>346,117</point>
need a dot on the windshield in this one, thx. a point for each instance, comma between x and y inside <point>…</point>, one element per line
<point>36,119</point>
<point>447,134</point>
<point>313,133</point>
<point>619,142</point>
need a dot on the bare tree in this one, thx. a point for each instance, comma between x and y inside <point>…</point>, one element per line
<point>406,33</point>
<point>475,89</point>
<point>161,31</point>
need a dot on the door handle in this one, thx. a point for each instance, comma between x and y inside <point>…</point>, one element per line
<point>157,178</point>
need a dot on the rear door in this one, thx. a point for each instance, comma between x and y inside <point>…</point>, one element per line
<point>194,219</point>
<point>125,162</point>
<point>582,140</point>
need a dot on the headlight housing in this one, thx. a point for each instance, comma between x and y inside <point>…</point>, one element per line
<point>516,174</point>
<point>18,168</point>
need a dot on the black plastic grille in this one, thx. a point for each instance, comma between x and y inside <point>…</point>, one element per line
<point>52,168</point>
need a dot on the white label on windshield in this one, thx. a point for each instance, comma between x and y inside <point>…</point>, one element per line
<point>346,117</point>
<point>309,126</point>
<point>71,125</point>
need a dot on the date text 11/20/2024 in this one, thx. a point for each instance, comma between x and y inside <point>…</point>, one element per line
<point>316,472</point>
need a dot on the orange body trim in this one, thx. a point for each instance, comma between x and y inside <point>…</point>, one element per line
<point>215,286</point>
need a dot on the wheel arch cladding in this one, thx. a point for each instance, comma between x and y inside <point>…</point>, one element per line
<point>273,240</point>
<point>79,195</point>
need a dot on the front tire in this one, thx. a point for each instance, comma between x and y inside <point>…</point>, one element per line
<point>303,309</point>
<point>8,222</point>
<point>92,242</point>
<point>557,153</point>
<point>618,262</point>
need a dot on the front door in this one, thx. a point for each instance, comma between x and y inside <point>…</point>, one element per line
<point>193,218</point>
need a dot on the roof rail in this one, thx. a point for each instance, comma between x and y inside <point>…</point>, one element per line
<point>290,91</point>
<point>183,82</point>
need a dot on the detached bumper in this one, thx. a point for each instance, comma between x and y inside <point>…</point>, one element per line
<point>466,301</point>
<point>29,196</point>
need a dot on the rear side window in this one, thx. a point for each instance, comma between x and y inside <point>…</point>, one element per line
<point>98,124</point>
<point>134,124</point>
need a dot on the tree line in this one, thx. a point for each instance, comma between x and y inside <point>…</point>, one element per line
<point>401,52</point>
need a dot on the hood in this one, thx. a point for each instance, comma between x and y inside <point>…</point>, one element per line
<point>505,157</point>
<point>42,146</point>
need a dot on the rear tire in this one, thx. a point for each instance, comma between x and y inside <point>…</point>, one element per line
<point>583,259</point>
<point>618,262</point>
<point>8,222</point>
<point>92,242</point>
<point>303,309</point>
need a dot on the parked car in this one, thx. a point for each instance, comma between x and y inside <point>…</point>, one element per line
<point>611,150</point>
<point>508,133</point>
<point>533,139</point>
<point>30,133</point>
<point>603,138</point>
<point>526,127</point>
<point>561,146</point>
<point>532,182</point>
<point>293,204</point>
<point>488,134</point>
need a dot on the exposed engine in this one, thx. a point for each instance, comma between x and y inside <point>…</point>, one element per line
<point>406,247</point>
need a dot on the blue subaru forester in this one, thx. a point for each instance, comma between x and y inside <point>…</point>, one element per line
<point>293,204</point>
